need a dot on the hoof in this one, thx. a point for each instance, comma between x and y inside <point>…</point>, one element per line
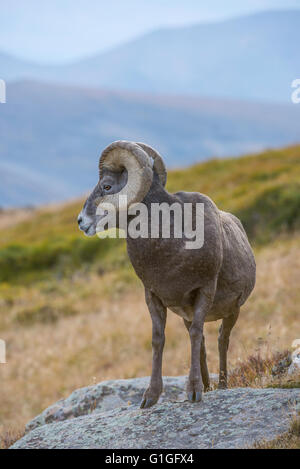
<point>148,402</point>
<point>194,396</point>
<point>150,398</point>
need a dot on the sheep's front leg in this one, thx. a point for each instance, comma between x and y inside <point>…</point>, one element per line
<point>158,315</point>
<point>202,306</point>
<point>203,363</point>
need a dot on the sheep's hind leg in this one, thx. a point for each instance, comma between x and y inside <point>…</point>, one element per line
<point>223,343</point>
<point>158,314</point>
<point>203,363</point>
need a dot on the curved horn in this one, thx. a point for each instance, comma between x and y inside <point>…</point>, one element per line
<point>135,160</point>
<point>158,164</point>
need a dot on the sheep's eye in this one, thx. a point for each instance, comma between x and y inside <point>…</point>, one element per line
<point>107,187</point>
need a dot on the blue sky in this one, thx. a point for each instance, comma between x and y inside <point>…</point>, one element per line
<point>64,30</point>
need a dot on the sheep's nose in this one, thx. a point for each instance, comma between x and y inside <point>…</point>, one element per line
<point>79,219</point>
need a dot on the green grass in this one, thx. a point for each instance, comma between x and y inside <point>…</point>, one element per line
<point>276,210</point>
<point>290,385</point>
<point>61,256</point>
<point>262,190</point>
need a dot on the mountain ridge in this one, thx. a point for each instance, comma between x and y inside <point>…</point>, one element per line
<point>248,57</point>
<point>62,129</point>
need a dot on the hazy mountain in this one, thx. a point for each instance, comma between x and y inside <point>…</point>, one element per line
<point>250,57</point>
<point>12,68</point>
<point>22,186</point>
<point>51,136</point>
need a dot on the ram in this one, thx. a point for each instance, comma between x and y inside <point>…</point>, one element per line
<point>204,284</point>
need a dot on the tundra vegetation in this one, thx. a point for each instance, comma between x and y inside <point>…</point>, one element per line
<point>61,293</point>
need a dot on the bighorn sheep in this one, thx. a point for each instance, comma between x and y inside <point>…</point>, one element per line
<point>200,285</point>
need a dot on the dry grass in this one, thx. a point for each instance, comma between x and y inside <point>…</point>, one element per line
<point>8,437</point>
<point>100,336</point>
<point>256,370</point>
<point>289,440</point>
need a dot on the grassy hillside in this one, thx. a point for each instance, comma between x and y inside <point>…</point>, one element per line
<point>263,190</point>
<point>72,311</point>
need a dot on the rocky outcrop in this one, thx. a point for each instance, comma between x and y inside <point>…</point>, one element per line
<point>105,396</point>
<point>107,415</point>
